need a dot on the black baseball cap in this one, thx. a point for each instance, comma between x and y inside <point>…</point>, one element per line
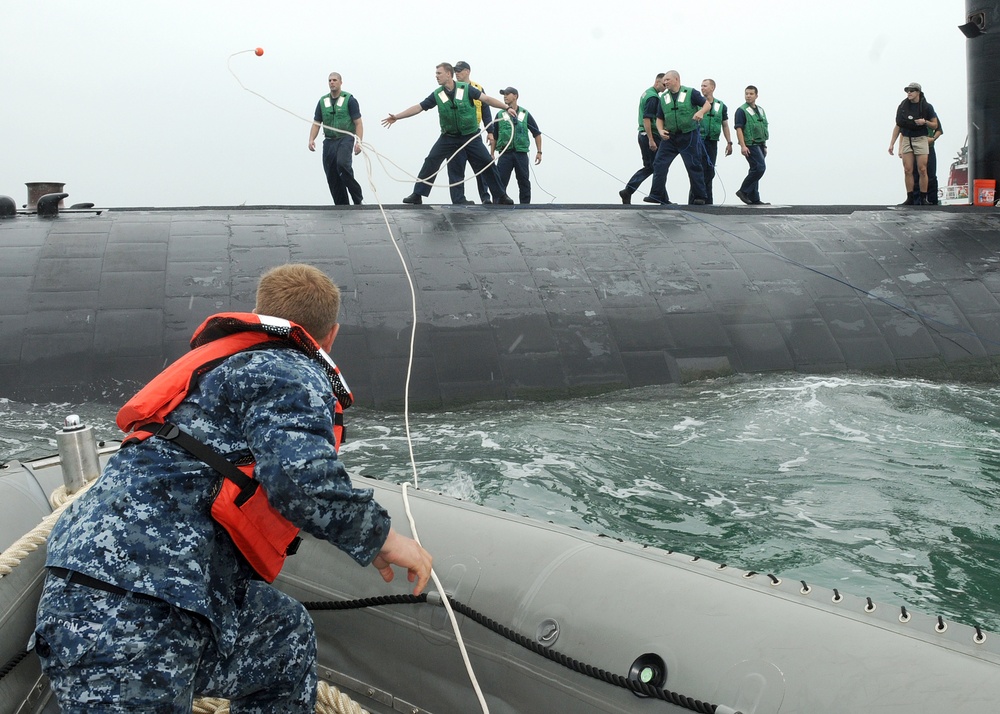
<point>461,64</point>
<point>509,90</point>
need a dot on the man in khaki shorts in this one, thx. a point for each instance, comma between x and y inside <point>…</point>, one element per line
<point>913,118</point>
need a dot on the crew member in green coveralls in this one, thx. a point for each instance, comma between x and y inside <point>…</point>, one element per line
<point>340,116</point>
<point>513,141</point>
<point>752,133</point>
<point>649,139</point>
<point>714,125</point>
<point>459,128</point>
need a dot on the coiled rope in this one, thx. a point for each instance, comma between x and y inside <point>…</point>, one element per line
<point>329,700</point>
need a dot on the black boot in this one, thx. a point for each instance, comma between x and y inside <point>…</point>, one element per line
<point>918,198</point>
<point>909,199</point>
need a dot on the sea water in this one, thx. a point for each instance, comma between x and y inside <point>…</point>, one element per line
<point>886,488</point>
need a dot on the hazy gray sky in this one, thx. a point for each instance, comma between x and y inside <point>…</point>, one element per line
<point>132,103</point>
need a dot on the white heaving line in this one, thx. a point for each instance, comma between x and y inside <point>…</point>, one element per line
<point>329,700</point>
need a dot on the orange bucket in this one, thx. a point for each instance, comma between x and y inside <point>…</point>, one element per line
<point>984,192</point>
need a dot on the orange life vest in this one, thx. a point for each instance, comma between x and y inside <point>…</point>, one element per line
<point>262,535</point>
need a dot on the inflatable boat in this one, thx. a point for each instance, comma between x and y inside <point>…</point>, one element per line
<point>552,619</point>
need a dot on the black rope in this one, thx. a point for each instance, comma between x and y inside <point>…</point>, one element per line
<point>617,680</point>
<point>366,602</point>
<point>12,663</point>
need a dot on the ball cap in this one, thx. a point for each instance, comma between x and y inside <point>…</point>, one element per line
<point>461,64</point>
<point>911,87</point>
<point>508,90</point>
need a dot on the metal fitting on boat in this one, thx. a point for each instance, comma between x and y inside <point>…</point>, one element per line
<point>78,453</point>
<point>547,632</point>
<point>49,204</point>
<point>7,207</point>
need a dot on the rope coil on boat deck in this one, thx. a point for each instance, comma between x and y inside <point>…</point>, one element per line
<point>329,700</point>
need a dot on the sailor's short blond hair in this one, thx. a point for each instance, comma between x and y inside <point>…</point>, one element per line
<point>300,293</point>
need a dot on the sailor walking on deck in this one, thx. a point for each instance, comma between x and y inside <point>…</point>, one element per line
<point>649,138</point>
<point>752,132</point>
<point>714,125</point>
<point>340,117</point>
<point>677,124</point>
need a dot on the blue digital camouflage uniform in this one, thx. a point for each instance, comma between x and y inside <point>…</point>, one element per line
<point>145,526</point>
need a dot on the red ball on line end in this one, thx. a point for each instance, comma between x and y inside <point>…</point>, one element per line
<point>259,51</point>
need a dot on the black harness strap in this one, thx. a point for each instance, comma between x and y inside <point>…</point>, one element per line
<point>203,452</point>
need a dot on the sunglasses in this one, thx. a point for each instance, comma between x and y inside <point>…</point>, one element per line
<point>911,90</point>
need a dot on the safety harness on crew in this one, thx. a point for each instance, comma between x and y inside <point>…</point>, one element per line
<point>262,535</point>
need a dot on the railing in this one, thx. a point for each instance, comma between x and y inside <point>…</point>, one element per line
<point>954,195</point>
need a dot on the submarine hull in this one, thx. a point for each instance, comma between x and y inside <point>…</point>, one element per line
<point>538,302</point>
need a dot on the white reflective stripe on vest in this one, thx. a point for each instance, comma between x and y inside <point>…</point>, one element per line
<point>274,321</point>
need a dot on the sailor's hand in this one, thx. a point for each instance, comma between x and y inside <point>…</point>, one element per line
<point>664,134</point>
<point>389,120</point>
<point>312,146</point>
<point>406,553</point>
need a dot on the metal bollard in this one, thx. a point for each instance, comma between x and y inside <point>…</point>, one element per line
<point>78,453</point>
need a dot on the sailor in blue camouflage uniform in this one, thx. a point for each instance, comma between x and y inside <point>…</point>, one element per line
<point>164,607</point>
